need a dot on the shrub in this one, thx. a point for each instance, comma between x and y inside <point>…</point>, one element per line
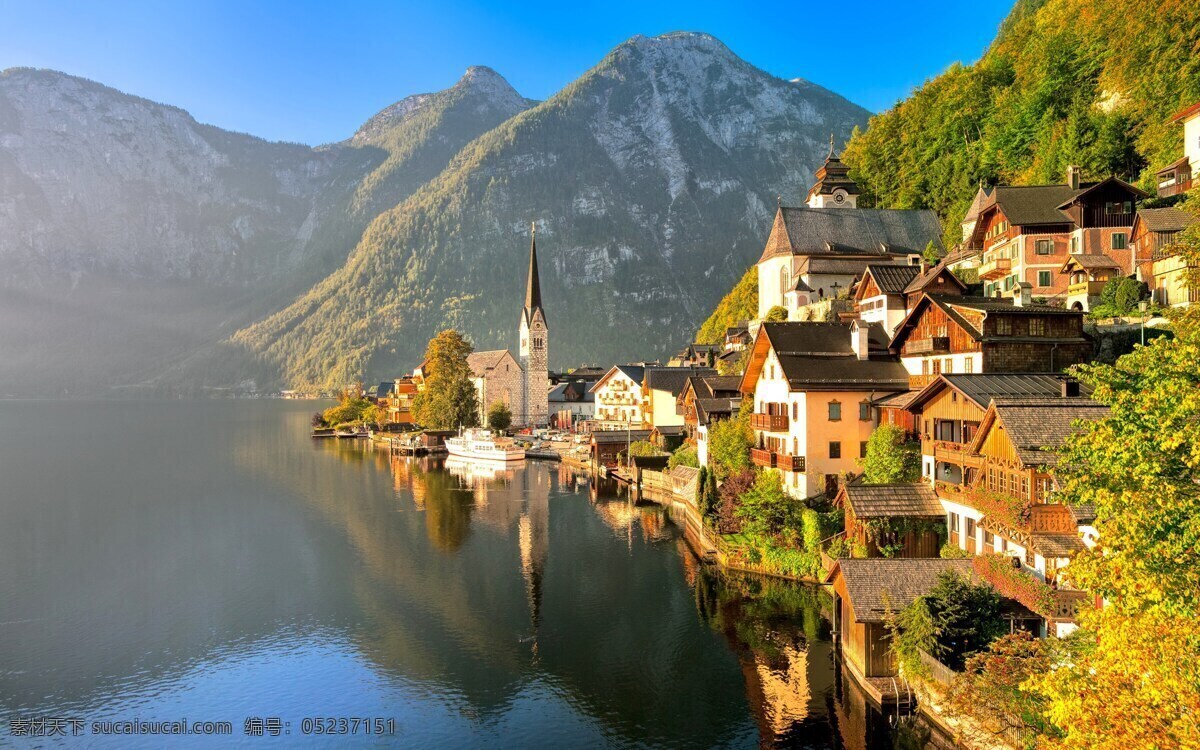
<point>953,552</point>
<point>765,508</point>
<point>731,492</point>
<point>776,314</point>
<point>499,416</point>
<point>684,455</point>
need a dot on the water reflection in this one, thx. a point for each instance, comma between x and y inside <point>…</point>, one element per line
<point>209,559</point>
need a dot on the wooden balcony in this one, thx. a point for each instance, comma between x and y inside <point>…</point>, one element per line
<point>762,457</point>
<point>789,463</point>
<point>1174,187</point>
<point>995,268</point>
<point>1086,288</point>
<point>931,345</point>
<point>917,382</point>
<point>949,490</point>
<point>956,453</point>
<point>1068,602</point>
<point>769,422</point>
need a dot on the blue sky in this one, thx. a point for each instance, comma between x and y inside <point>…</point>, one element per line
<point>312,72</point>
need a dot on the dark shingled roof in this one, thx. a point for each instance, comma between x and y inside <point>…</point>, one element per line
<point>817,356</point>
<point>1092,262</point>
<point>716,386</point>
<point>930,276</point>
<point>620,436</point>
<point>877,586</point>
<point>858,231</point>
<point>1037,426</point>
<point>1025,205</point>
<point>892,279</point>
<point>673,379</point>
<point>1165,219</point>
<point>708,409</point>
<point>909,500</point>
<point>1085,513</point>
<point>636,373</point>
<point>982,388</point>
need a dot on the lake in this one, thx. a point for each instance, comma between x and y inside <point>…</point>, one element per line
<point>209,562</point>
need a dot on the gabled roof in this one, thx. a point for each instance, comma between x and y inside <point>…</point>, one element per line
<point>1037,426</point>
<point>710,409</point>
<point>879,586</point>
<point>1136,191</point>
<point>481,362</point>
<point>1183,161</point>
<point>636,373</point>
<point>907,500</point>
<point>891,279</point>
<point>673,379</point>
<point>981,388</point>
<point>930,279</point>
<point>1026,205</point>
<point>385,388</point>
<point>1091,262</point>
<point>878,232</point>
<point>954,306</point>
<point>619,436</point>
<point>1165,219</point>
<point>817,356</point>
<point>977,203</point>
<point>713,386</point>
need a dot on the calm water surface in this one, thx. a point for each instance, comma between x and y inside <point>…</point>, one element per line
<point>209,561</point>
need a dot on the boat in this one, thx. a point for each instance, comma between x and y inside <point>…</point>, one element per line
<point>482,445</point>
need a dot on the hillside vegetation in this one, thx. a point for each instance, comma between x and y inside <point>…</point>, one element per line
<point>740,304</point>
<point>1087,82</point>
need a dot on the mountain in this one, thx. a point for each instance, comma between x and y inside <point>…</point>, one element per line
<point>1087,82</point>
<point>650,178</point>
<point>134,240</point>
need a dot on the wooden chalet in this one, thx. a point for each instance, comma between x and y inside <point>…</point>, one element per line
<point>1087,274</point>
<point>886,293</point>
<point>912,504</point>
<point>700,388</point>
<point>961,334</point>
<point>1161,264</point>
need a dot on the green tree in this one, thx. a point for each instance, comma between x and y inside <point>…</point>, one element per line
<point>776,314</point>
<point>499,416</point>
<point>955,619</point>
<point>729,443</point>
<point>448,400</point>
<point>890,458</point>
<point>376,415</point>
<point>931,255</point>
<point>350,411</point>
<point>684,455</point>
<point>765,508</point>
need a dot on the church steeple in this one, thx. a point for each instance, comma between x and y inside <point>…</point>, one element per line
<point>535,345</point>
<point>533,286</point>
<point>834,188</point>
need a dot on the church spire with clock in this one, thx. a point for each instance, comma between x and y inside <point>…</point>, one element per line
<point>535,335</point>
<point>834,188</point>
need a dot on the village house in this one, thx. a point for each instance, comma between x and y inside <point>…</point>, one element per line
<point>705,400</point>
<point>396,397</point>
<point>818,250</point>
<point>618,398</point>
<point>905,517</point>
<point>886,293</point>
<point>608,445</point>
<point>1024,234</point>
<point>697,355</point>
<point>812,386</point>
<point>661,389</point>
<point>960,334</point>
<point>1087,275</point>
<point>1176,178</point>
<point>571,401</point>
<point>1164,268</point>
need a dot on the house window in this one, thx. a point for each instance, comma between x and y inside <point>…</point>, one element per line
<point>1003,326</point>
<point>989,538</point>
<point>1044,278</point>
<point>864,411</point>
<point>1118,207</point>
<point>1037,327</point>
<point>1044,247</point>
<point>1008,283</point>
<point>795,411</point>
<point>795,446</point>
<point>924,367</point>
<point>835,411</point>
<point>971,527</point>
<point>783,282</point>
<point>948,366</point>
<point>1074,244</point>
<point>968,365</point>
<point>862,449</point>
<point>835,449</point>
<point>954,522</point>
<point>1119,241</point>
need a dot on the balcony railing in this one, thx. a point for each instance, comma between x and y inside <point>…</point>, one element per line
<point>1088,288</point>
<point>770,459</point>
<point>955,453</point>
<point>995,268</point>
<point>948,490</point>
<point>769,422</point>
<point>1174,187</point>
<point>1068,602</point>
<point>762,457</point>
<point>931,345</point>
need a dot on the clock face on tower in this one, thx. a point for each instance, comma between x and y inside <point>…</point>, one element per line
<point>839,197</point>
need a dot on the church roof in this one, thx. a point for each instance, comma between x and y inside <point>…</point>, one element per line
<point>533,285</point>
<point>873,233</point>
<point>481,362</point>
<point>833,175</point>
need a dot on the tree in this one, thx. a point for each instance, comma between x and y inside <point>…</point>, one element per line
<point>1122,294</point>
<point>729,443</point>
<point>731,493</point>
<point>375,414</point>
<point>350,411</point>
<point>448,400</point>
<point>708,492</point>
<point>930,254</point>
<point>890,458</point>
<point>499,416</point>
<point>1134,680</point>
<point>776,314</point>
<point>990,686</point>
<point>765,508</point>
<point>684,455</point>
<point>955,619</point>
<point>318,420</point>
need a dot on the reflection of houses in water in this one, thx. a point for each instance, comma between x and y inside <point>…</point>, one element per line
<point>785,688</point>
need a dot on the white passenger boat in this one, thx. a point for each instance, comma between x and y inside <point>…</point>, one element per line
<point>482,445</point>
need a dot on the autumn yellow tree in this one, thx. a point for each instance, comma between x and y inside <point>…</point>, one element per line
<point>1133,678</point>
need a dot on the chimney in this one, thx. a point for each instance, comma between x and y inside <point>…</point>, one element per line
<point>923,266</point>
<point>860,341</point>
<point>1023,294</point>
<point>1073,172</point>
<point>1070,388</point>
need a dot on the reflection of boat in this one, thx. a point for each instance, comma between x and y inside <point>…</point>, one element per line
<point>481,444</point>
<point>471,470</point>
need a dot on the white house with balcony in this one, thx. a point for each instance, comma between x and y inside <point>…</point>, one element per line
<point>618,398</point>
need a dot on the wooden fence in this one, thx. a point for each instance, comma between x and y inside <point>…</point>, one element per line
<point>1011,728</point>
